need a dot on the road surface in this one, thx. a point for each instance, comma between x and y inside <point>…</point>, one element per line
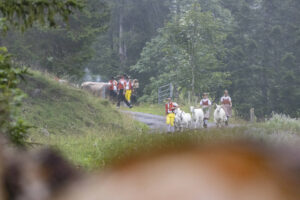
<point>155,122</point>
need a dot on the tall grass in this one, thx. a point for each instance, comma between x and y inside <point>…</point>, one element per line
<point>279,129</point>
<point>99,149</point>
<point>91,134</point>
<point>280,123</point>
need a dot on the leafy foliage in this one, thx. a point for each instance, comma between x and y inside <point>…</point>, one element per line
<point>65,50</point>
<point>250,47</point>
<point>188,52</point>
<point>10,99</point>
<point>264,56</point>
<point>21,14</point>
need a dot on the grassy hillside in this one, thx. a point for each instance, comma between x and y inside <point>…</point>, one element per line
<point>91,151</point>
<point>57,108</point>
<point>92,134</point>
<point>62,116</point>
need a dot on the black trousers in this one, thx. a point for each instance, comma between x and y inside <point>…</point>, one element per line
<point>113,95</point>
<point>121,97</point>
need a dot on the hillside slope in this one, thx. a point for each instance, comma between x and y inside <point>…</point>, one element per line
<point>55,108</point>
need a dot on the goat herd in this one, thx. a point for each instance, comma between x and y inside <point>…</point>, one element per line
<point>196,119</point>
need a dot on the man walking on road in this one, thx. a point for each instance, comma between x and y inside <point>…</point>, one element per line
<point>170,116</point>
<point>113,89</point>
<point>227,105</point>
<point>121,92</point>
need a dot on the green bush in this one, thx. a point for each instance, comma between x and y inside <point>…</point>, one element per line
<point>10,98</point>
<point>281,122</point>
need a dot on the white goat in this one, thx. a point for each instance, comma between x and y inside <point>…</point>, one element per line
<point>220,116</point>
<point>183,119</point>
<point>197,117</point>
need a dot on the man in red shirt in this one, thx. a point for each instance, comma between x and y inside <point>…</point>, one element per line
<point>121,92</point>
<point>113,89</point>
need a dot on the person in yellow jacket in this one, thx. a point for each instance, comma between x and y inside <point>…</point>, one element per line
<point>128,89</point>
<point>170,115</point>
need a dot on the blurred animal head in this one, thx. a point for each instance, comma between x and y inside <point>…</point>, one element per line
<point>177,111</point>
<point>228,171</point>
<point>217,172</point>
<point>35,176</point>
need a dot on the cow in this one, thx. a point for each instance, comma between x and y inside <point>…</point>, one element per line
<point>99,89</point>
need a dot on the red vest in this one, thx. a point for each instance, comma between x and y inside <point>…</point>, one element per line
<point>169,107</point>
<point>130,85</point>
<point>205,102</point>
<point>112,84</point>
<point>121,84</point>
<point>226,101</point>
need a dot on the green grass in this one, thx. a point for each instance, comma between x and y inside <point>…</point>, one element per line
<point>92,151</point>
<point>92,134</point>
<point>62,109</point>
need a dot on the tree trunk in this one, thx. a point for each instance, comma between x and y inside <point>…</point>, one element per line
<point>193,80</point>
<point>122,50</point>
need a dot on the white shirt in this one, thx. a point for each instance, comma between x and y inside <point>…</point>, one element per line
<point>127,85</point>
<point>225,98</point>
<point>204,101</point>
<point>115,83</point>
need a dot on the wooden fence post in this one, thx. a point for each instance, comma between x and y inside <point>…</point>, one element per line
<point>252,115</point>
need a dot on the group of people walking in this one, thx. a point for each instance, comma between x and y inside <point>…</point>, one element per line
<point>121,90</point>
<point>205,104</point>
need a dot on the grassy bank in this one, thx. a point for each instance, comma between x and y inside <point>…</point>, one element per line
<point>92,134</point>
<point>56,108</point>
<point>92,152</point>
<point>61,113</point>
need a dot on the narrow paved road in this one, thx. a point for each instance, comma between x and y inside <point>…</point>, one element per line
<point>155,122</point>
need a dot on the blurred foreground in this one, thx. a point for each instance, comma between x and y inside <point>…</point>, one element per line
<point>241,170</point>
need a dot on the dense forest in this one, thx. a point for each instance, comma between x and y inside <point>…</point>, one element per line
<point>250,47</point>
